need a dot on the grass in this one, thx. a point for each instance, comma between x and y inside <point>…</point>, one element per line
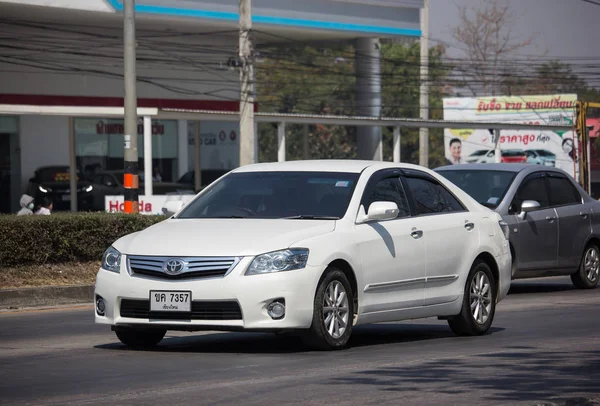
<point>65,274</point>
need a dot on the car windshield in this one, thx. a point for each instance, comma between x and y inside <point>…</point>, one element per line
<point>274,195</point>
<point>543,152</point>
<point>487,187</point>
<point>513,152</point>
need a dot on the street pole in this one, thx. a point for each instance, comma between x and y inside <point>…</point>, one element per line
<point>247,134</point>
<point>424,88</point>
<point>130,181</point>
<point>497,149</point>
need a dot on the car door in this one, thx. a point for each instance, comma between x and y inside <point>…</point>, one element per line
<point>574,219</point>
<point>449,233</point>
<point>392,253</point>
<point>536,243</point>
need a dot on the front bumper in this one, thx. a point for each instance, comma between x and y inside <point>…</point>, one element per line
<point>252,294</point>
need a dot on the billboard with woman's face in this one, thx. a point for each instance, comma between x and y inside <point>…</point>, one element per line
<point>550,148</point>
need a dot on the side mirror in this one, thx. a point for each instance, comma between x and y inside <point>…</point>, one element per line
<point>380,211</point>
<point>172,206</point>
<point>527,206</point>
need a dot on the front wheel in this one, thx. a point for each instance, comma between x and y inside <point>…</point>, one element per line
<point>479,303</point>
<point>140,338</point>
<point>333,313</point>
<point>587,276</point>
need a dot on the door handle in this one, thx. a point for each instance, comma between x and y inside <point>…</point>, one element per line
<point>469,226</point>
<point>416,234</point>
<point>583,214</point>
<point>550,219</point>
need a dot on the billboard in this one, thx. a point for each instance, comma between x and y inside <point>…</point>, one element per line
<point>551,148</point>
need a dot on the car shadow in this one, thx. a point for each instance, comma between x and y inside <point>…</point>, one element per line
<point>514,375</point>
<point>548,286</point>
<point>290,343</point>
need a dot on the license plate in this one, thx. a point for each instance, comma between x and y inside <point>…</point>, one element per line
<point>170,301</point>
<point>66,198</point>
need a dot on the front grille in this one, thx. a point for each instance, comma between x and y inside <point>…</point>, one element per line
<point>201,310</point>
<point>194,267</point>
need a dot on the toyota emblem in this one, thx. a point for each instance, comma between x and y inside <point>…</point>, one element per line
<point>174,266</point>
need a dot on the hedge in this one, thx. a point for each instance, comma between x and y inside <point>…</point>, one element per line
<point>64,237</point>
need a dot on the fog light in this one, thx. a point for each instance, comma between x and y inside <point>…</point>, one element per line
<point>276,310</point>
<point>100,306</point>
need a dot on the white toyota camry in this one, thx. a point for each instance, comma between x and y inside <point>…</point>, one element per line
<point>315,247</point>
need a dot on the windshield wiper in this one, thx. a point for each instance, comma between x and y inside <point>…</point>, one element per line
<point>228,217</point>
<point>311,217</point>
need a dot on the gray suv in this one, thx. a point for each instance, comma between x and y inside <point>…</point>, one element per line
<point>554,224</point>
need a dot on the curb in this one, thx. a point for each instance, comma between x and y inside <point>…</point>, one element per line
<point>46,296</point>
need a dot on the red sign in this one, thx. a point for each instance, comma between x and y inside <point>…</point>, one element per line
<point>119,128</point>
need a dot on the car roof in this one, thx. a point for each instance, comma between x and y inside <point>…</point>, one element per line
<point>506,167</point>
<point>323,165</point>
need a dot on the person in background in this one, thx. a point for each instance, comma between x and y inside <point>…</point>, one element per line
<point>45,207</point>
<point>455,151</point>
<point>27,206</point>
<point>156,176</point>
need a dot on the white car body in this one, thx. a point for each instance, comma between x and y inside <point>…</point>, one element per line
<point>396,276</point>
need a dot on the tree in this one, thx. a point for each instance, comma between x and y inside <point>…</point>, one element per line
<point>486,39</point>
<point>315,80</point>
<point>554,77</point>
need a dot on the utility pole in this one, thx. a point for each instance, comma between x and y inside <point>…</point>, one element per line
<point>497,149</point>
<point>130,181</point>
<point>424,89</point>
<point>247,134</point>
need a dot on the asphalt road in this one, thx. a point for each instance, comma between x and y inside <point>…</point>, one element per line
<point>544,346</point>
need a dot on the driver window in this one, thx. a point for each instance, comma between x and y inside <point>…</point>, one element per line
<point>532,189</point>
<point>390,190</point>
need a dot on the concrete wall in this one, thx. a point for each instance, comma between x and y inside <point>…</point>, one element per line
<point>18,79</point>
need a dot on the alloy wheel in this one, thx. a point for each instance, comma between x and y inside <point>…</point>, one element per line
<point>335,309</point>
<point>592,264</point>
<point>480,297</point>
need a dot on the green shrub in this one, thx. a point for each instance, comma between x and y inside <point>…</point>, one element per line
<point>64,237</point>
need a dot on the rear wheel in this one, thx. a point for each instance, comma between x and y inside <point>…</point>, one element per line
<point>140,338</point>
<point>588,274</point>
<point>479,303</point>
<point>333,313</point>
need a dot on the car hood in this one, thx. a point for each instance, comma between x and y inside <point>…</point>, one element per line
<point>220,237</point>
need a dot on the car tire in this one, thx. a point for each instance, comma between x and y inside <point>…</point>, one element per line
<point>587,275</point>
<point>479,303</point>
<point>140,338</point>
<point>333,313</point>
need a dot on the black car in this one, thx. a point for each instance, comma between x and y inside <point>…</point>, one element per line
<point>208,176</point>
<point>54,182</point>
<point>109,183</point>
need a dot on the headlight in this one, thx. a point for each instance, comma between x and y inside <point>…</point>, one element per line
<point>43,189</point>
<point>89,188</point>
<point>505,229</point>
<point>111,260</point>
<point>278,261</point>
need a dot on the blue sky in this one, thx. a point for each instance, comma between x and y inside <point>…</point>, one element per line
<point>560,26</point>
